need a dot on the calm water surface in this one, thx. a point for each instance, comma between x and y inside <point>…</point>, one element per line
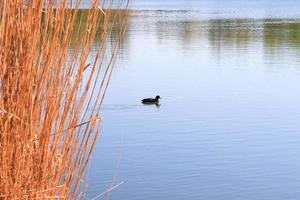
<point>228,126</point>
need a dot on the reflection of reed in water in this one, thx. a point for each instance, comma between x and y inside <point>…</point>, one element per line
<point>112,37</point>
<point>50,99</point>
<point>221,36</point>
<point>184,26</point>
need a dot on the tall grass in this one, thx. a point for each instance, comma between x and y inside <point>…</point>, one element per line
<point>50,98</point>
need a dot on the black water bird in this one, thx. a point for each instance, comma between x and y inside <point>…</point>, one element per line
<point>151,100</point>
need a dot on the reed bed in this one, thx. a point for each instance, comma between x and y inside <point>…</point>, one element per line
<point>50,98</point>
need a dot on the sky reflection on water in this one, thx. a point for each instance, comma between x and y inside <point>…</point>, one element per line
<point>228,126</point>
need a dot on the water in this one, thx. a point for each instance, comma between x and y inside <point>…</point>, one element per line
<point>228,125</point>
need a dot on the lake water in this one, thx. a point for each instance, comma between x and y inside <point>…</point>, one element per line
<point>228,126</point>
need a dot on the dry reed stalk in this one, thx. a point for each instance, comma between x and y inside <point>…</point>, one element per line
<point>50,98</point>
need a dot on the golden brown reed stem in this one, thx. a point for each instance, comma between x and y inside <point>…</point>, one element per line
<point>50,98</point>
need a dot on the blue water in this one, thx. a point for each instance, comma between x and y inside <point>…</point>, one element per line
<point>217,8</point>
<point>226,8</point>
<point>228,125</point>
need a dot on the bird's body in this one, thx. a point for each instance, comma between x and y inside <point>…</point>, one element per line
<point>151,100</point>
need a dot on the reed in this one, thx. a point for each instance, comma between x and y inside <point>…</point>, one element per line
<point>50,98</point>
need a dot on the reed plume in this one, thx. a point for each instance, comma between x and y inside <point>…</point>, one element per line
<point>50,97</point>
